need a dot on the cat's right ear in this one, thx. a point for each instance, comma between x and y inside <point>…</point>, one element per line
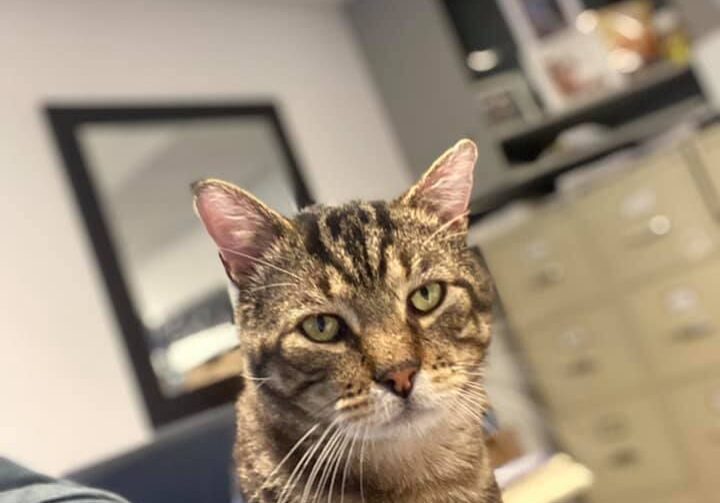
<point>242,227</point>
<point>445,188</point>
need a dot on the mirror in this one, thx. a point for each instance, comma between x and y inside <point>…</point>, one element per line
<point>139,164</point>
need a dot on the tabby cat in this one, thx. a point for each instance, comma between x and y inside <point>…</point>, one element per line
<point>364,329</point>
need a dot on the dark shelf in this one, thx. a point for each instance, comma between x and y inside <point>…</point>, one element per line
<point>539,178</point>
<point>661,87</point>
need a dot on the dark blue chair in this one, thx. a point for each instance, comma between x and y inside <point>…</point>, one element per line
<point>189,462</point>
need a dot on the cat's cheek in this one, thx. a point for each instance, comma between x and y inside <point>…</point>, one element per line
<point>485,328</point>
<point>478,328</point>
<point>299,353</point>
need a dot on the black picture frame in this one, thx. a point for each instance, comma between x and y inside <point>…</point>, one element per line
<point>64,122</point>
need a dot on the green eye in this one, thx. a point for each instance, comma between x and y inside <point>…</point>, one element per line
<point>321,327</point>
<point>427,297</point>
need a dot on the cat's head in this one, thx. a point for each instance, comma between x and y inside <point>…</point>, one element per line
<point>374,315</point>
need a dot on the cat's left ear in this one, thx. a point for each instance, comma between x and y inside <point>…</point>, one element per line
<point>445,188</point>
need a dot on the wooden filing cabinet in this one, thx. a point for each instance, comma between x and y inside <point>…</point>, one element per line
<point>539,267</point>
<point>649,219</point>
<point>696,408</point>
<point>685,496</point>
<point>628,447</point>
<point>613,296</point>
<point>587,357</point>
<point>678,321</point>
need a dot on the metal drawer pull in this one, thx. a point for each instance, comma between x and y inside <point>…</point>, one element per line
<point>693,331</point>
<point>581,367</point>
<point>656,227</point>
<point>623,458</point>
<point>612,429</point>
<point>549,274</point>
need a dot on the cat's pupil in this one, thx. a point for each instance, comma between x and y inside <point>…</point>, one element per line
<point>321,323</point>
<point>425,292</point>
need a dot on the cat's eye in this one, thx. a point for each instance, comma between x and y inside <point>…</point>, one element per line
<point>321,327</point>
<point>427,297</point>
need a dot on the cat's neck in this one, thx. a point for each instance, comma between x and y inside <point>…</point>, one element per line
<point>449,453</point>
<point>443,454</point>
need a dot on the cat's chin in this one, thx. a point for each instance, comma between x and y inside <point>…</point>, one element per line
<point>407,422</point>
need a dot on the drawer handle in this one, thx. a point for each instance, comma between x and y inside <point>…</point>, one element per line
<point>693,331</point>
<point>581,367</point>
<point>655,228</point>
<point>623,458</point>
<point>549,274</point>
<point>612,429</point>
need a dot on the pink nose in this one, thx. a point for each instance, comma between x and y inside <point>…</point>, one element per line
<point>401,381</point>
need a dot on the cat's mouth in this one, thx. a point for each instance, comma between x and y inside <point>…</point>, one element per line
<point>409,418</point>
<point>412,412</point>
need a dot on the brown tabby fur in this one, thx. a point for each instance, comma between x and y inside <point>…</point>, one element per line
<point>361,261</point>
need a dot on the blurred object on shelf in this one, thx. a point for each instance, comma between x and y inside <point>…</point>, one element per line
<point>675,44</point>
<point>538,478</point>
<point>565,65</point>
<point>627,28</point>
<point>638,35</point>
<point>533,21</point>
<point>578,138</point>
<point>570,69</point>
<point>506,100</point>
<point>546,16</point>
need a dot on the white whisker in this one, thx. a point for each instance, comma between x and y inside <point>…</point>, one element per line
<point>338,461</point>
<point>274,285</point>
<point>301,465</point>
<point>253,378</point>
<point>362,460</point>
<point>348,462</point>
<point>320,462</point>
<point>287,456</point>
<point>261,262</point>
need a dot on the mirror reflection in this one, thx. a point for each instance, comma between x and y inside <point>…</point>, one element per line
<point>143,172</point>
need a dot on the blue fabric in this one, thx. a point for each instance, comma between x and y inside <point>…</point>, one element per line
<point>19,485</point>
<point>190,462</point>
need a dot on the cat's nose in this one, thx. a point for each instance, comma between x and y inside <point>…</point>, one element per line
<point>400,381</point>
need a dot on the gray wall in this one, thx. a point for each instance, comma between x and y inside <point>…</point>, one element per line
<point>701,16</point>
<point>56,318</point>
<point>417,65</point>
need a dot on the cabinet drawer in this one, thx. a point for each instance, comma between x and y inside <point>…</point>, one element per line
<point>708,148</point>
<point>649,219</point>
<point>583,358</point>
<point>683,497</point>
<point>654,496</point>
<point>697,410</point>
<point>626,446</point>
<point>678,321</point>
<point>539,266</point>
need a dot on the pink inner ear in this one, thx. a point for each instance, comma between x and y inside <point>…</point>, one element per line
<point>240,229</point>
<point>448,184</point>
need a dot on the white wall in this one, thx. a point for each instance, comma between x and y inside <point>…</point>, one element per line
<point>66,391</point>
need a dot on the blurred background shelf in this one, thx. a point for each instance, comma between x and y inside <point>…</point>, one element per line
<point>538,177</point>
<point>662,85</point>
<point>522,155</point>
